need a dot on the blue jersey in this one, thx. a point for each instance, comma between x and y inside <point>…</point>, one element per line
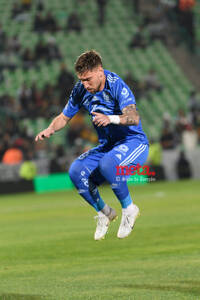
<point>115,96</point>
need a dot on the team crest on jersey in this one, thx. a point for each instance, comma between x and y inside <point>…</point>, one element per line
<point>125,92</point>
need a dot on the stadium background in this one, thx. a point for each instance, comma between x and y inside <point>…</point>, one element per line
<point>155,47</point>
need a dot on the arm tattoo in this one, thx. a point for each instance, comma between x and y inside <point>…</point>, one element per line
<point>130,116</point>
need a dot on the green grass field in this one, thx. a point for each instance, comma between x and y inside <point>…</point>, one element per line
<point>47,249</point>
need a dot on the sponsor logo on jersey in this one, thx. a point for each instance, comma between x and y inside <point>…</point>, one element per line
<point>125,92</point>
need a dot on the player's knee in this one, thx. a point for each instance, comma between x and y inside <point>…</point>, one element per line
<point>75,170</point>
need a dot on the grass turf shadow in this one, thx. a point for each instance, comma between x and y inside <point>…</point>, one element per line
<point>21,297</point>
<point>189,287</point>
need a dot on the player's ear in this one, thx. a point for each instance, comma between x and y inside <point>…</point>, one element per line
<point>101,71</point>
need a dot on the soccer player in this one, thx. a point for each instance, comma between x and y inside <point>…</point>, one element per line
<point>112,108</point>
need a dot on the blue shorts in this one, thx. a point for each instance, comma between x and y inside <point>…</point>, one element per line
<point>124,153</point>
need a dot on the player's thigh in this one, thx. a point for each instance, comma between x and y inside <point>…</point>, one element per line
<point>85,164</point>
<point>131,152</point>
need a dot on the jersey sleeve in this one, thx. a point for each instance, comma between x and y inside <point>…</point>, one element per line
<point>73,105</point>
<point>123,94</point>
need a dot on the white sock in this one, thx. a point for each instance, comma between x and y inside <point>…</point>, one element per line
<point>129,209</point>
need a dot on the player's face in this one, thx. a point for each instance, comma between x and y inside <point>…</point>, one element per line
<point>93,80</point>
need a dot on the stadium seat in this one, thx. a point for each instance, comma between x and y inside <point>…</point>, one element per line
<point>111,40</point>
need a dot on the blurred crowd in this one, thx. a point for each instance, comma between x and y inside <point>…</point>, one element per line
<point>16,138</point>
<point>31,102</point>
<point>143,87</point>
<point>185,128</point>
<point>171,21</point>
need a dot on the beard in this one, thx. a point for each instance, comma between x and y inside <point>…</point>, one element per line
<point>96,90</point>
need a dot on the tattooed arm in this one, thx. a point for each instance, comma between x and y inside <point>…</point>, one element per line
<point>129,115</point>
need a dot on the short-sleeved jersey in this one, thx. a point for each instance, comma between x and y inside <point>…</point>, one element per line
<point>110,101</point>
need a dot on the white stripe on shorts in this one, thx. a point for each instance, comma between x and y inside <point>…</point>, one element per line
<point>132,153</point>
<point>135,155</point>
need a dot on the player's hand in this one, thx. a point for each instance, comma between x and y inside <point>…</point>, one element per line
<point>100,119</point>
<point>46,133</point>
